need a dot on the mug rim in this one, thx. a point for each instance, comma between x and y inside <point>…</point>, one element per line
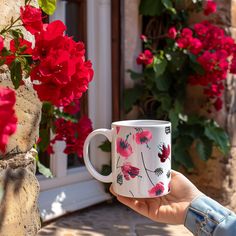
<point>141,123</point>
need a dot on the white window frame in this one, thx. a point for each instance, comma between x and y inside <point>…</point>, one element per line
<point>73,189</point>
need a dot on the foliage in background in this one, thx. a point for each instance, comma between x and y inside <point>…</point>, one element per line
<point>56,66</point>
<point>177,58</point>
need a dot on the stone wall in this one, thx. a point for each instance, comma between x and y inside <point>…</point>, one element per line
<point>19,188</point>
<point>217,176</point>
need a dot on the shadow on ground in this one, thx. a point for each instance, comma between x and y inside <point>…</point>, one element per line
<point>109,219</point>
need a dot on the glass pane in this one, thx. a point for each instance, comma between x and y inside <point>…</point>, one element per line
<point>76,25</point>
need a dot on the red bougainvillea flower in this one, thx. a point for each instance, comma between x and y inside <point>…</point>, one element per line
<point>210,7</point>
<point>157,190</point>
<point>143,137</point>
<point>60,66</point>
<point>23,47</point>
<point>165,152</point>
<point>8,118</point>
<point>187,41</point>
<point>123,148</point>
<point>72,108</point>
<point>84,128</point>
<point>31,18</point>
<point>74,134</point>
<point>172,33</point>
<point>218,104</point>
<point>1,43</point>
<point>145,58</point>
<point>129,171</point>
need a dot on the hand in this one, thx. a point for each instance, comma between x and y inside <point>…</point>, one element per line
<point>171,208</point>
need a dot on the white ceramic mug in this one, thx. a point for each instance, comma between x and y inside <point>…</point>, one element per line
<point>141,157</point>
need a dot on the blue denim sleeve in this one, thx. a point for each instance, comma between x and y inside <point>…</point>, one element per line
<point>206,217</point>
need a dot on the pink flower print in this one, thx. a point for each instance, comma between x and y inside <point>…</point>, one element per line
<point>143,137</point>
<point>157,190</point>
<point>123,148</point>
<point>165,152</point>
<point>129,171</point>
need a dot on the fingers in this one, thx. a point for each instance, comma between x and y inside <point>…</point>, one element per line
<point>174,173</point>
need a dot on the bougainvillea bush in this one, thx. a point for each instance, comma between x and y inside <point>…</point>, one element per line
<point>179,57</point>
<point>57,68</point>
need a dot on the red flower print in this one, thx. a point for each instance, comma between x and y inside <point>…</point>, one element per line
<point>143,137</point>
<point>157,190</point>
<point>8,122</point>
<point>129,171</point>
<point>123,148</point>
<point>165,152</point>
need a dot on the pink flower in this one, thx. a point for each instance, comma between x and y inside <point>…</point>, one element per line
<point>123,148</point>
<point>210,7</point>
<point>145,58</point>
<point>129,171</point>
<point>165,152</point>
<point>8,121</point>
<point>143,38</point>
<point>157,190</point>
<point>172,32</point>
<point>143,137</point>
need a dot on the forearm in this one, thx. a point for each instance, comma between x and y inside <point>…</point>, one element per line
<point>206,217</point>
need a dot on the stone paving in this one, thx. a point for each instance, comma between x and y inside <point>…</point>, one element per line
<point>109,219</point>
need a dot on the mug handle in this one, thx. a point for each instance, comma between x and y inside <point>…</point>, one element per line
<point>93,172</point>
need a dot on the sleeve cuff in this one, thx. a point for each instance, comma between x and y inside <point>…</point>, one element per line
<point>203,215</point>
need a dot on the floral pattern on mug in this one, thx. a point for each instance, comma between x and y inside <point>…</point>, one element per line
<point>117,129</point>
<point>156,190</point>
<point>144,136</point>
<point>123,148</point>
<point>129,171</point>
<point>165,152</point>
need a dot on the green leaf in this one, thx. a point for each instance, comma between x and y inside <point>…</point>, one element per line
<point>163,82</point>
<point>105,146</point>
<point>174,119</point>
<point>134,75</point>
<point>44,134</point>
<point>150,7</point>
<point>165,100</point>
<point>159,66</point>
<point>106,170</point>
<point>195,65</point>
<point>48,6</point>
<point>16,73</point>
<point>168,5</point>
<point>44,170</point>
<point>131,96</point>
<point>218,136</point>
<point>204,148</point>
<point>181,153</point>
